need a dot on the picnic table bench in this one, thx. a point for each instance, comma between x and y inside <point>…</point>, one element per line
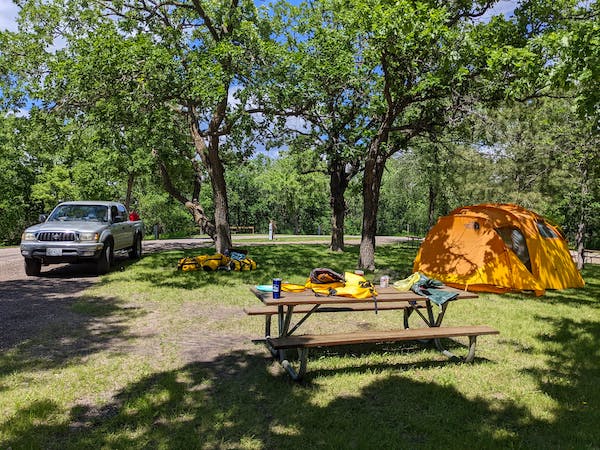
<point>307,303</point>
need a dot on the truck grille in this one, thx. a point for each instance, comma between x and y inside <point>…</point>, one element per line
<point>56,236</point>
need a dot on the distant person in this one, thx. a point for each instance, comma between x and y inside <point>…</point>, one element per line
<point>133,216</point>
<point>272,229</point>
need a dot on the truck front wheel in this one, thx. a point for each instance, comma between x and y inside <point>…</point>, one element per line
<point>105,259</point>
<point>33,267</point>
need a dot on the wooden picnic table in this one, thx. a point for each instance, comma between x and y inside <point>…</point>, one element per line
<point>302,305</point>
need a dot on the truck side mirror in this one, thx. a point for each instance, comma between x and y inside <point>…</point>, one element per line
<point>42,218</point>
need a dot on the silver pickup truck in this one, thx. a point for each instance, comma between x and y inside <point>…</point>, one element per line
<point>81,231</point>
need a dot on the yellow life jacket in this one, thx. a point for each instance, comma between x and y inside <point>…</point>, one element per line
<point>405,284</point>
<point>213,262</point>
<point>356,286</point>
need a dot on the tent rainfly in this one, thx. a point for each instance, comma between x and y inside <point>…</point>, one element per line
<point>497,248</point>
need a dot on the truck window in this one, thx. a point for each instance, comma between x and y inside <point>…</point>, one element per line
<point>122,211</point>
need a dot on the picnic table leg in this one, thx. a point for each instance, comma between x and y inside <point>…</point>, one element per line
<point>274,353</point>
<point>297,375</point>
<point>284,318</point>
<point>407,313</point>
<point>470,354</point>
<point>440,316</point>
<point>268,325</point>
<point>430,320</point>
<point>437,322</point>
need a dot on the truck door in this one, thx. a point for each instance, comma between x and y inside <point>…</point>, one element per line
<point>119,227</point>
<point>126,228</point>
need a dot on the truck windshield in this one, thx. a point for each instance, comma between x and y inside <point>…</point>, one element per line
<point>69,213</point>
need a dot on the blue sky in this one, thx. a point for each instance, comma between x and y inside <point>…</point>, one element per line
<point>8,14</point>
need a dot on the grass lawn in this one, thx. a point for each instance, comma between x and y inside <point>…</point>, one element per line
<point>163,359</point>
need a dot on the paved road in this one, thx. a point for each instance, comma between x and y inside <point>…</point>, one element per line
<point>11,261</point>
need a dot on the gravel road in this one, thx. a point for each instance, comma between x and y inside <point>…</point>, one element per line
<point>11,262</point>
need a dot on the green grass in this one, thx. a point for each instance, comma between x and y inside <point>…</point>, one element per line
<point>126,374</point>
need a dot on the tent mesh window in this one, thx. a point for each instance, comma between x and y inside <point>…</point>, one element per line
<point>545,230</point>
<point>515,240</point>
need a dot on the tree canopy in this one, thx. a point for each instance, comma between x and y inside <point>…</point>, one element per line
<point>396,111</point>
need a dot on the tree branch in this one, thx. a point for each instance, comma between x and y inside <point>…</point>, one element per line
<point>209,25</point>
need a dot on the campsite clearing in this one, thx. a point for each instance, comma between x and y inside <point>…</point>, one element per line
<point>152,357</point>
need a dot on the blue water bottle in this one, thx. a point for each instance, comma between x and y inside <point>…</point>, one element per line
<point>276,287</point>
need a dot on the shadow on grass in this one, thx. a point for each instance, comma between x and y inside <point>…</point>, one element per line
<point>235,402</point>
<point>571,376</point>
<point>46,323</point>
<point>587,296</point>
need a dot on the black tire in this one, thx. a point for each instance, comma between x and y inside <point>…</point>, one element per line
<point>33,267</point>
<point>136,250</point>
<point>105,260</point>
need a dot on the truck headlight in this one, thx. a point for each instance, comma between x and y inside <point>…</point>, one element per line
<point>28,236</point>
<point>88,236</point>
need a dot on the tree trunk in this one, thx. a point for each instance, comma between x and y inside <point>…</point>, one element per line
<point>130,181</point>
<point>209,154</point>
<point>432,197</point>
<point>374,166</point>
<point>434,187</point>
<point>195,209</point>
<point>338,182</point>
<point>582,226</point>
<point>580,243</point>
<point>219,189</point>
<point>216,171</point>
<point>201,219</point>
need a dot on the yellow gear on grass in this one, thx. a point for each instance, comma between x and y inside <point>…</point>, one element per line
<point>242,264</point>
<point>215,262</point>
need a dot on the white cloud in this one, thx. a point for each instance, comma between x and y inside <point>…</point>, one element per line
<point>8,15</point>
<point>502,7</point>
<point>21,112</point>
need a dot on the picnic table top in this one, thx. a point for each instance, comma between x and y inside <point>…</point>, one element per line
<point>308,297</point>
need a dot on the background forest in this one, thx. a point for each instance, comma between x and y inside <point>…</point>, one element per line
<point>329,117</point>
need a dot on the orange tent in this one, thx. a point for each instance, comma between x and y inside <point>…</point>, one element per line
<point>497,248</point>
